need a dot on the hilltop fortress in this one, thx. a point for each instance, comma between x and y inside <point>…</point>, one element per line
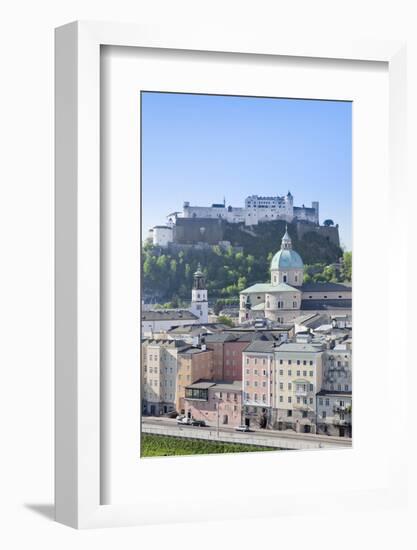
<point>205,224</point>
<point>257,209</point>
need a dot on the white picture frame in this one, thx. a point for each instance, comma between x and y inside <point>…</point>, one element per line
<point>78,260</point>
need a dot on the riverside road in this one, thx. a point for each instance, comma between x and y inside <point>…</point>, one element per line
<point>269,438</point>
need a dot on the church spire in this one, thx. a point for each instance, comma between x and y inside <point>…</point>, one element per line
<point>286,243</point>
<point>199,279</point>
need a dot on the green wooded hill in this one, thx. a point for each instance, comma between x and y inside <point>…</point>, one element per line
<point>167,275</point>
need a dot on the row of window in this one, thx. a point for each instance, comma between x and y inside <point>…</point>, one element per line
<point>255,397</point>
<point>255,383</point>
<point>339,387</point>
<point>298,372</point>
<point>161,383</point>
<point>255,360</point>
<point>256,373</point>
<point>298,387</point>
<point>298,362</point>
<point>161,370</point>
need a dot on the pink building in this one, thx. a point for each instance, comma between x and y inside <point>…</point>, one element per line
<point>258,383</point>
<point>218,403</point>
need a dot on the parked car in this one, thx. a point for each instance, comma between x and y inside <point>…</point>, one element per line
<point>200,423</point>
<point>184,420</point>
<point>242,428</point>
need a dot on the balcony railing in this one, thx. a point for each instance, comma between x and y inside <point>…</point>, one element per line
<point>303,407</point>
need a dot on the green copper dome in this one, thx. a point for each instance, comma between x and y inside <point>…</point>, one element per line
<point>287,259</point>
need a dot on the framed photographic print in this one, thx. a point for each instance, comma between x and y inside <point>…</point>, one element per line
<point>220,208</point>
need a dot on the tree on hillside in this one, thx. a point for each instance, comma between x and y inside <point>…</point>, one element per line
<point>347,266</point>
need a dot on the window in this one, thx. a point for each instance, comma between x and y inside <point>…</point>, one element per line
<point>255,383</point>
<point>304,414</point>
<point>311,362</point>
<point>264,384</point>
<point>255,396</point>
<point>289,412</point>
<point>289,361</point>
<point>324,414</point>
<point>247,382</point>
<point>298,373</point>
<point>311,373</point>
<point>255,370</point>
<point>304,373</point>
<point>311,387</point>
<point>311,400</point>
<point>281,372</point>
<point>289,385</point>
<point>289,399</point>
<point>281,399</point>
<point>327,402</point>
<point>339,387</point>
<point>289,373</point>
<point>321,401</point>
<point>281,386</point>
<point>281,361</point>
<point>264,371</point>
<point>298,399</point>
<point>346,387</point>
<point>247,371</point>
<point>298,361</point>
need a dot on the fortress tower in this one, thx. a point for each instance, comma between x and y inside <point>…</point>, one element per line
<point>199,303</point>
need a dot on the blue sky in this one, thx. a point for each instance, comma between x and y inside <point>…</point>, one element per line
<point>201,148</point>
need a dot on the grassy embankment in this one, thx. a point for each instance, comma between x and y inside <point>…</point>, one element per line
<point>159,445</point>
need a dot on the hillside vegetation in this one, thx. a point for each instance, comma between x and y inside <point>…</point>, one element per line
<point>167,275</point>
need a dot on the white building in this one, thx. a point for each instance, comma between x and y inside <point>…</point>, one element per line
<point>257,209</point>
<point>231,214</point>
<point>199,303</point>
<point>162,235</point>
<point>263,209</point>
<point>159,375</point>
<point>298,376</point>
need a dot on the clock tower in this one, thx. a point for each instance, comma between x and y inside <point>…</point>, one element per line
<point>199,303</point>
